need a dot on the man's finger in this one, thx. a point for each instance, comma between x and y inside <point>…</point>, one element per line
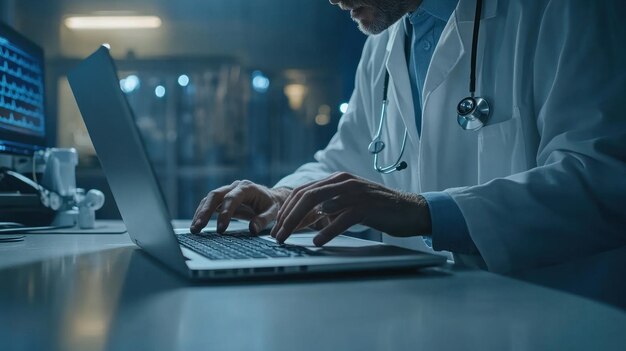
<point>200,205</point>
<point>314,217</point>
<point>323,221</point>
<point>338,204</point>
<point>297,193</point>
<point>287,204</point>
<point>342,223</point>
<point>311,199</point>
<point>231,202</point>
<point>311,190</point>
<point>311,218</point>
<point>260,222</point>
<point>244,212</point>
<point>208,206</point>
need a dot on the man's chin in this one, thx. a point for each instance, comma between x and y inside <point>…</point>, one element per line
<point>373,20</point>
<point>371,28</point>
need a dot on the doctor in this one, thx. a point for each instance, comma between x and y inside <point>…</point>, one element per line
<point>537,178</point>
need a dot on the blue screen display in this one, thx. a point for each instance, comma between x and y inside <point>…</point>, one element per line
<point>22,103</point>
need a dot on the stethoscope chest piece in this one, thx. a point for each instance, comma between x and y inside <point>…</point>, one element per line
<point>473,113</point>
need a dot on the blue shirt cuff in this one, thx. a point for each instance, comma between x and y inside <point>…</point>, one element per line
<point>449,230</point>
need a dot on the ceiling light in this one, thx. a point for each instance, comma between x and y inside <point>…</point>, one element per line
<point>112,22</point>
<point>322,119</point>
<point>295,93</point>
<point>130,83</point>
<point>183,80</point>
<point>159,91</point>
<point>343,108</point>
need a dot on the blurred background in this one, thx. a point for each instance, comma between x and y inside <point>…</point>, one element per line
<point>221,89</point>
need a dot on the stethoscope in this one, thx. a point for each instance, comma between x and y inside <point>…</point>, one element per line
<point>472,111</point>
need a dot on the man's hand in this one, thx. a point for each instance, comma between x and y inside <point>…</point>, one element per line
<point>347,200</point>
<point>242,199</point>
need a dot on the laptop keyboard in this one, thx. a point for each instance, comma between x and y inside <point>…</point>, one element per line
<point>238,246</point>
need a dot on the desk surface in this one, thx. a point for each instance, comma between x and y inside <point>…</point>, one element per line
<point>98,292</point>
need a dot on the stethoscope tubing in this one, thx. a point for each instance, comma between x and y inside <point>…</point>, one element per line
<point>470,120</point>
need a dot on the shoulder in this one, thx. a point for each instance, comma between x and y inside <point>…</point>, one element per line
<point>561,11</point>
<point>583,20</point>
<point>554,23</point>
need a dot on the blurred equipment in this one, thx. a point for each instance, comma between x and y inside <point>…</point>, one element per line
<point>23,126</point>
<point>10,238</point>
<point>58,189</point>
<point>24,142</point>
<point>22,102</point>
<point>59,175</point>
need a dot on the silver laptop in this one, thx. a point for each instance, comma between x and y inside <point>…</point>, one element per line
<point>119,146</point>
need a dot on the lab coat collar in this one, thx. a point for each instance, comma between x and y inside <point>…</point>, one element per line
<point>445,58</point>
<point>466,10</point>
<point>441,9</point>
<point>451,46</point>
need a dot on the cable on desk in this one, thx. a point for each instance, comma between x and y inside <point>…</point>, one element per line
<point>11,238</point>
<point>24,229</point>
<point>10,228</point>
<point>10,225</point>
<point>5,238</point>
<point>83,231</point>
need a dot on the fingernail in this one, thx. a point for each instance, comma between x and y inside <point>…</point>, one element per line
<point>256,227</point>
<point>317,242</point>
<point>320,240</point>
<point>279,236</point>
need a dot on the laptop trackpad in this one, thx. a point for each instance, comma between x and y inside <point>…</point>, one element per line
<point>306,240</point>
<point>346,246</point>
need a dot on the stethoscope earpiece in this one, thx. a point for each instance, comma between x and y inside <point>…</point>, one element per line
<point>473,113</point>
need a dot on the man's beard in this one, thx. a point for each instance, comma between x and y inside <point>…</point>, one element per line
<point>386,13</point>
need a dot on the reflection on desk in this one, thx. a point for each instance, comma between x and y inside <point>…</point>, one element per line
<point>101,293</point>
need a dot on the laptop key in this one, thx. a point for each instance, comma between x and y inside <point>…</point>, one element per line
<point>226,247</point>
<point>275,253</point>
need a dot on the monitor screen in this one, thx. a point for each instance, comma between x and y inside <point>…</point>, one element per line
<point>22,102</point>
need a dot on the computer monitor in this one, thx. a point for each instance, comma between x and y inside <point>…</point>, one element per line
<point>22,100</point>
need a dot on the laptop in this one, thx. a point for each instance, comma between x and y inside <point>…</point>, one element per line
<point>208,255</point>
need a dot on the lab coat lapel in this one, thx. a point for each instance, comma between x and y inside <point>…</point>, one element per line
<point>456,37</point>
<point>465,10</point>
<point>399,83</point>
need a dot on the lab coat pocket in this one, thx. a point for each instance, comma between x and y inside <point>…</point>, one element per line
<point>501,149</point>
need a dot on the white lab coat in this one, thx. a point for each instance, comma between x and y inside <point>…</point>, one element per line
<point>545,180</point>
